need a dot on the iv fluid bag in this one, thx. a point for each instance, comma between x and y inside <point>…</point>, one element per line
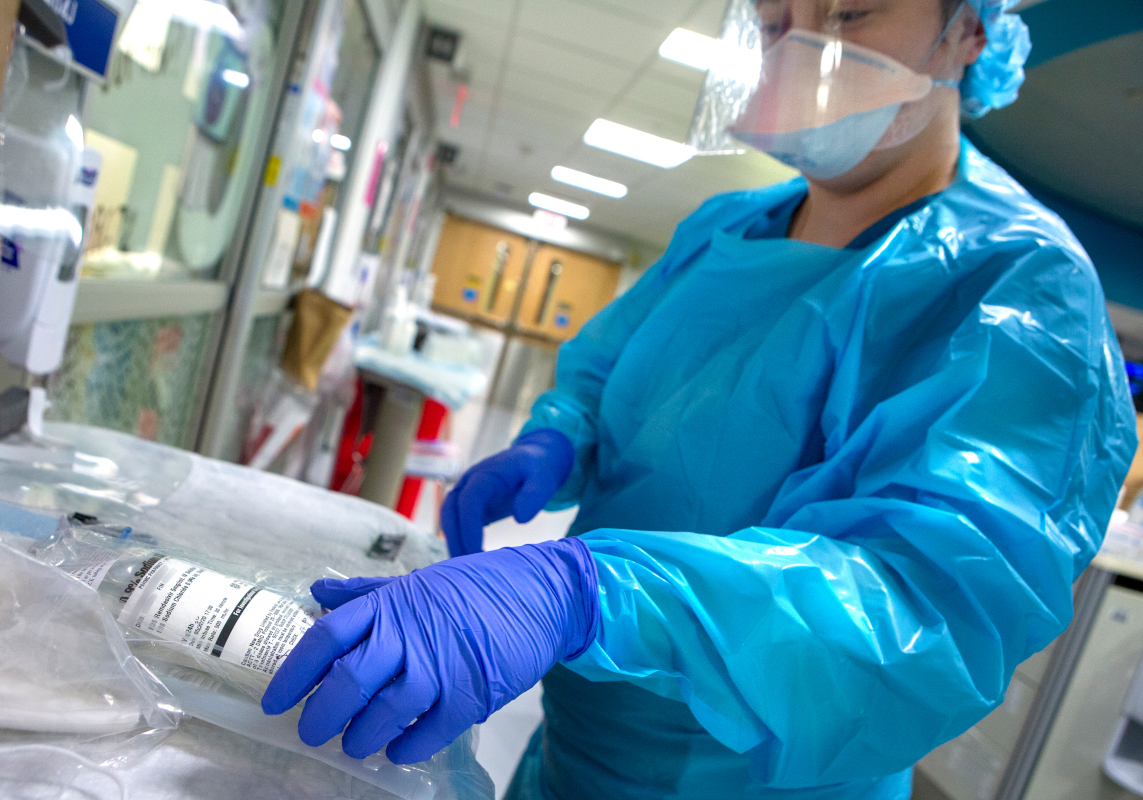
<point>176,601</point>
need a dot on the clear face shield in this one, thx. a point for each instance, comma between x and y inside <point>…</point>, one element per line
<point>821,84</point>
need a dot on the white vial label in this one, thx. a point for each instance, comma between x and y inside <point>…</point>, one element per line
<point>91,564</point>
<point>217,615</point>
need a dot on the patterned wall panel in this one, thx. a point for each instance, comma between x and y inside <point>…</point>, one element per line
<point>135,376</point>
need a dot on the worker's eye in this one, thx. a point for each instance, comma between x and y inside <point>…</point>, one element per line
<point>847,16</point>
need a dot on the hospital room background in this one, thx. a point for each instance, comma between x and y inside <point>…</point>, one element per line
<point>330,251</point>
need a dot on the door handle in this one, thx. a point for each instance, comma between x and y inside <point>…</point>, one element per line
<point>503,250</point>
<point>554,271</point>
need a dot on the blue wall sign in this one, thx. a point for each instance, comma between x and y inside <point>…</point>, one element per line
<point>90,31</point>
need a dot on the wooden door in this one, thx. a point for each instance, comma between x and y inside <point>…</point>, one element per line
<point>565,289</point>
<point>478,269</point>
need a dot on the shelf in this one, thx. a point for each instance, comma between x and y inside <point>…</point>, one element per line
<point>110,300</point>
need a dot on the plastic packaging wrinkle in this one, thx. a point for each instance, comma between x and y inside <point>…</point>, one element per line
<point>36,771</point>
<point>238,515</point>
<point>274,534</point>
<point>202,760</point>
<point>67,676</point>
<point>233,621</point>
<point>851,502</point>
<point>729,83</point>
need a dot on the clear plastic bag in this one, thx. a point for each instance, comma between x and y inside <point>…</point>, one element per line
<point>283,412</point>
<point>238,515</point>
<point>91,471</point>
<point>259,527</point>
<point>67,676</point>
<point>157,595</point>
<point>203,685</point>
<point>205,761</point>
<point>35,771</point>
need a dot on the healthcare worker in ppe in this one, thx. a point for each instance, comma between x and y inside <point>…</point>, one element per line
<point>839,457</point>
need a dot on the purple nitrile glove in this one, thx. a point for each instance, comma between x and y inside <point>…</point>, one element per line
<point>446,646</point>
<point>518,481</point>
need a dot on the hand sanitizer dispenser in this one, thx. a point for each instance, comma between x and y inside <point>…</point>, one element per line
<point>47,185</point>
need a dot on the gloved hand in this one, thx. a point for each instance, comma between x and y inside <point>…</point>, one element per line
<point>446,645</point>
<point>518,481</point>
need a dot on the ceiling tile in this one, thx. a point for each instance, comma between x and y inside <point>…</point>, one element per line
<point>528,143</point>
<point>672,70</point>
<point>547,57</point>
<point>523,176</point>
<point>714,174</point>
<point>546,115</point>
<point>659,10</point>
<point>672,99</point>
<point>592,28</point>
<point>536,87</point>
<point>449,11</point>
<point>530,87</point>
<point>707,18</point>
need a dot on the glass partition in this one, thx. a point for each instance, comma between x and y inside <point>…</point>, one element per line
<point>317,142</point>
<point>188,93</point>
<point>315,146</point>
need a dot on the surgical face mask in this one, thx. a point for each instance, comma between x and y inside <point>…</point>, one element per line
<point>824,104</point>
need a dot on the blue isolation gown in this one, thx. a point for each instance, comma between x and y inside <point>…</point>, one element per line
<point>834,496</point>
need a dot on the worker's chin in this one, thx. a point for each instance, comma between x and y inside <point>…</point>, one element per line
<point>866,173</point>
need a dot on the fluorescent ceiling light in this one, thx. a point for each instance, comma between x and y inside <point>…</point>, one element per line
<point>340,142</point>
<point>645,147</point>
<point>558,206</point>
<point>690,48</point>
<point>318,136</point>
<point>603,186</point>
<point>236,78</point>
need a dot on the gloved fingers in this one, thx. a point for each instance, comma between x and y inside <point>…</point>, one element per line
<point>330,638</point>
<point>333,593</point>
<point>486,498</point>
<point>389,713</point>
<point>354,678</point>
<point>470,523</point>
<point>450,521</point>
<point>433,731</point>
<point>538,489</point>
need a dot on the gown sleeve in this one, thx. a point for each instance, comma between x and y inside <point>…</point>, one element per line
<point>897,584</point>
